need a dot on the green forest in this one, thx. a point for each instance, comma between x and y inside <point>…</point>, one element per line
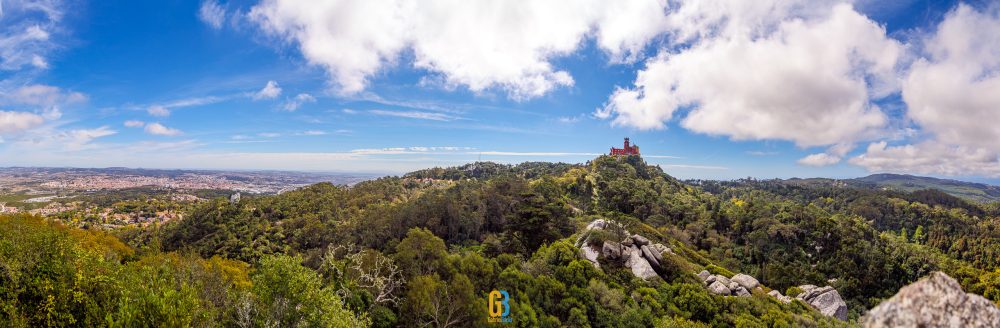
<point>427,248</point>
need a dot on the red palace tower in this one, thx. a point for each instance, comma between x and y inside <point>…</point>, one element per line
<point>625,151</point>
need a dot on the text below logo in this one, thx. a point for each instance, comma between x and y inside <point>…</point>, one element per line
<point>499,307</point>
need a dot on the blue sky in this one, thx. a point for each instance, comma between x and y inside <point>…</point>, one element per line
<point>768,89</point>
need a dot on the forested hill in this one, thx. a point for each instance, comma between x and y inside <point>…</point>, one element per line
<point>976,192</point>
<point>969,191</point>
<point>427,248</point>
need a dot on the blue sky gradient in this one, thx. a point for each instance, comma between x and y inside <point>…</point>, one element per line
<point>189,92</point>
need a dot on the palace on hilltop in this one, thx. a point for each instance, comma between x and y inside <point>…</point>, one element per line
<point>625,151</point>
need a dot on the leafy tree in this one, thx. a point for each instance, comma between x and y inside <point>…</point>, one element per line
<point>288,294</point>
<point>421,253</point>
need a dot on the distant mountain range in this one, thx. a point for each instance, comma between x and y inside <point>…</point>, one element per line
<point>976,192</point>
<point>970,191</point>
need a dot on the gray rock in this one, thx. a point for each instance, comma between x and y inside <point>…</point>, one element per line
<point>710,279</point>
<point>590,254</point>
<point>811,293</point>
<point>640,240</point>
<point>720,278</point>
<point>733,285</point>
<point>746,281</point>
<point>611,250</point>
<point>740,291</point>
<point>648,254</point>
<point>830,304</point>
<point>597,224</point>
<point>640,267</point>
<point>806,288</point>
<point>703,275</point>
<point>628,242</point>
<point>660,249</point>
<point>781,298</point>
<point>825,299</point>
<point>934,301</point>
<point>718,288</point>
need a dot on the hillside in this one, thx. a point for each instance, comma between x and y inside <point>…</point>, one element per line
<point>429,248</point>
<point>976,192</point>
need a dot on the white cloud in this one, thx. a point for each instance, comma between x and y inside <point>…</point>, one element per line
<point>80,139</point>
<point>164,109</point>
<point>25,34</point>
<point>45,96</point>
<point>212,13</point>
<point>161,130</point>
<point>158,110</point>
<point>270,91</point>
<point>16,122</point>
<point>39,62</point>
<point>415,115</point>
<point>819,159</point>
<point>479,45</point>
<point>954,92</point>
<point>951,93</point>
<point>134,124</point>
<point>761,153</point>
<point>269,134</point>
<point>313,133</point>
<point>294,103</point>
<point>929,158</point>
<point>805,80</point>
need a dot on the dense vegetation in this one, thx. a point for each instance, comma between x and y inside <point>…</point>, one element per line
<point>425,249</point>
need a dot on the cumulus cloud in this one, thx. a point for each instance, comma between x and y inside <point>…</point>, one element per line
<point>929,158</point>
<point>954,92</point>
<point>212,14</point>
<point>479,45</point>
<point>300,99</point>
<point>805,80</point>
<point>161,130</point>
<point>270,91</point>
<point>819,159</point>
<point>15,122</point>
<point>951,93</point>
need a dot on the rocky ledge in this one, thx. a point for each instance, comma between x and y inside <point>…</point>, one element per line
<point>634,252</point>
<point>825,299</point>
<point>934,301</point>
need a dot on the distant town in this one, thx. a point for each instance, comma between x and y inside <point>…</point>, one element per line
<point>115,197</point>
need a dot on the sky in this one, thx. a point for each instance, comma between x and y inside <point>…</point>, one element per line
<point>714,89</point>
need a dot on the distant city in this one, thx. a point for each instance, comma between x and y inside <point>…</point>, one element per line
<point>41,181</point>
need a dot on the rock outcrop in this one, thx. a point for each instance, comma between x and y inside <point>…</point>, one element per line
<point>718,288</point>
<point>639,265</point>
<point>934,301</point>
<point>635,252</point>
<point>722,285</point>
<point>781,298</point>
<point>825,299</point>
<point>746,281</point>
<point>703,275</point>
